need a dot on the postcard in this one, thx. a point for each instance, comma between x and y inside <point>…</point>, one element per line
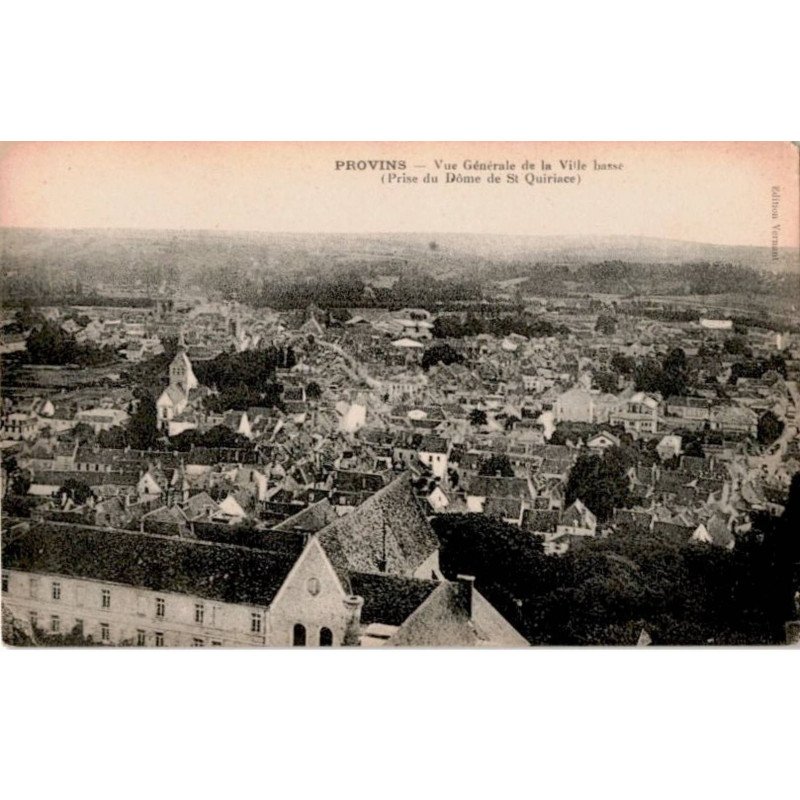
<point>400,394</point>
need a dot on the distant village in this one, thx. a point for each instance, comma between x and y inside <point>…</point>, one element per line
<point>175,496</point>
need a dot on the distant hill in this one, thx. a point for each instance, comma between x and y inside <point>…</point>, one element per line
<point>46,262</point>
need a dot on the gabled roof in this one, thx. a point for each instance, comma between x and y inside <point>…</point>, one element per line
<point>442,621</point>
<point>388,532</point>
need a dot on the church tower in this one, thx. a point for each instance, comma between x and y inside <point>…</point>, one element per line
<point>181,374</point>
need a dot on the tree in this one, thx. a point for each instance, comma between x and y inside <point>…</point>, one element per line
<point>606,382</point>
<point>606,324</point>
<point>440,353</point>
<point>76,490</point>
<point>20,482</point>
<point>115,438</point>
<point>623,364</point>
<point>769,428</point>
<point>313,391</point>
<point>600,482</point>
<point>497,465</point>
<point>737,345</point>
<point>477,417</point>
<point>142,425</point>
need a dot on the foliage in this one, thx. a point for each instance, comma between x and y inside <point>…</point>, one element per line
<point>623,364</point>
<point>19,482</point>
<point>600,482</point>
<point>606,382</point>
<point>606,324</point>
<point>450,326</point>
<point>244,379</point>
<point>769,428</point>
<point>669,378</point>
<point>141,428</point>
<point>440,354</point>
<point>217,437</point>
<point>76,490</point>
<point>607,591</point>
<point>49,344</point>
<point>478,417</point>
<point>313,391</point>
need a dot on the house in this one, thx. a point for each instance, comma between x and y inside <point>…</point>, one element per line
<point>439,501</point>
<point>574,405</point>
<point>433,453</point>
<point>577,520</point>
<point>639,413</point>
<point>669,447</point>
<point>481,487</point>
<point>18,425</point>
<point>602,441</point>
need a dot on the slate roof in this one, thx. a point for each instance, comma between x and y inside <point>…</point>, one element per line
<point>490,486</point>
<point>389,599</point>
<point>226,573</point>
<point>433,444</point>
<point>388,532</point>
<point>442,621</point>
<point>312,518</point>
<point>58,478</point>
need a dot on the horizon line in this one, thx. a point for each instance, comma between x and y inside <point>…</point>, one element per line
<point>234,231</point>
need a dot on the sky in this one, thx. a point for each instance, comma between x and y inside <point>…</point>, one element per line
<point>719,193</point>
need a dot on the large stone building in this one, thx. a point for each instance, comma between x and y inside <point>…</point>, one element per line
<point>370,578</point>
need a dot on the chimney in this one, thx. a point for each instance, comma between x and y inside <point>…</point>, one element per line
<point>465,586</point>
<point>352,630</point>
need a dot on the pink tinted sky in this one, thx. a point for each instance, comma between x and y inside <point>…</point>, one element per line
<point>707,192</point>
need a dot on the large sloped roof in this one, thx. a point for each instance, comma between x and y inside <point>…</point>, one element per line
<point>388,532</point>
<point>226,573</point>
<point>442,621</point>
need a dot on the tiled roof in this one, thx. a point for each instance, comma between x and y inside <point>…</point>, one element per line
<point>226,573</point>
<point>388,532</point>
<point>490,486</point>
<point>312,518</point>
<point>389,599</point>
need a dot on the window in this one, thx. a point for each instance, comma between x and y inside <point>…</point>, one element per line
<point>34,619</point>
<point>160,606</point>
<point>199,612</point>
<point>216,644</point>
<point>55,623</point>
<point>106,598</point>
<point>255,622</point>
<point>299,635</point>
<point>56,590</point>
<point>198,642</point>
<point>141,639</point>
<point>325,637</point>
<point>159,639</point>
<point>5,582</point>
<point>105,632</point>
<point>78,627</point>
<point>312,584</point>
<point>34,588</point>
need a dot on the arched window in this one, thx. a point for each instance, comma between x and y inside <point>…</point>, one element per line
<point>325,637</point>
<point>299,635</point>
